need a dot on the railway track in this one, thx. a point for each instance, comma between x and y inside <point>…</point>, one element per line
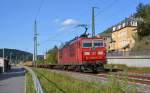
<point>141,78</point>
<point>141,83</point>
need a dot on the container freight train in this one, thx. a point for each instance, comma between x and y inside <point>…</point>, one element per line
<point>86,54</point>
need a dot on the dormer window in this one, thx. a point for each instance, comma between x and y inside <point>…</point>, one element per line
<point>114,28</point>
<point>119,27</point>
<point>133,23</point>
<point>124,24</point>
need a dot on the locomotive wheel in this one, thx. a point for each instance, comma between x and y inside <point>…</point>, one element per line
<point>95,71</point>
<point>98,68</point>
<point>77,68</point>
<point>65,67</point>
<point>82,68</point>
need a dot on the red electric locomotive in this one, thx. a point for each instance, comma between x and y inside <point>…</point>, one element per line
<point>84,54</point>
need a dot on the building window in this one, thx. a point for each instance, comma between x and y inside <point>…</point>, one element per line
<point>124,24</point>
<point>133,23</point>
<point>119,27</point>
<point>122,34</point>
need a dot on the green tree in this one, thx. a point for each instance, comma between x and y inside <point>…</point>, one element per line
<point>108,30</point>
<point>51,55</point>
<point>143,11</point>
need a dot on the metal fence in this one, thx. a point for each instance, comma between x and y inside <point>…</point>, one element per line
<point>145,52</point>
<point>37,84</point>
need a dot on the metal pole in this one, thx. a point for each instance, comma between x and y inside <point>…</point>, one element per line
<point>3,59</point>
<point>35,44</point>
<point>10,58</point>
<point>93,21</point>
<point>3,53</point>
<point>16,60</point>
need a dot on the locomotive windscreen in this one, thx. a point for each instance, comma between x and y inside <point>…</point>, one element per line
<point>87,43</point>
<point>97,43</point>
<point>93,43</point>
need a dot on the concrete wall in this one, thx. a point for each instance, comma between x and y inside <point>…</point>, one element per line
<point>138,61</point>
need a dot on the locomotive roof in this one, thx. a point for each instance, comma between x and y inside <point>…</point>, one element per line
<point>74,39</point>
<point>69,42</point>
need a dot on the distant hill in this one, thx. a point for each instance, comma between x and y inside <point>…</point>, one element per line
<point>16,55</point>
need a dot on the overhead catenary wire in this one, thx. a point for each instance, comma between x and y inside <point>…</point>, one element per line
<point>53,38</point>
<point>107,7</point>
<point>110,5</point>
<point>39,9</point>
<point>58,34</point>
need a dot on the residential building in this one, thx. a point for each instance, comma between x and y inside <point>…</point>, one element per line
<point>123,35</point>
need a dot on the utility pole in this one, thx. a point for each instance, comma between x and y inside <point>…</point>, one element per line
<point>35,44</point>
<point>3,59</point>
<point>3,53</point>
<point>10,57</point>
<point>93,21</point>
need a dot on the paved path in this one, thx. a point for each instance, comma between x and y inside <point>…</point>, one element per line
<point>12,81</point>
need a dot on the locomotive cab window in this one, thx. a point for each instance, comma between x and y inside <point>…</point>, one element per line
<point>87,43</point>
<point>98,43</point>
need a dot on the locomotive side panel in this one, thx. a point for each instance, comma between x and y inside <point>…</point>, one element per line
<point>69,54</point>
<point>71,50</point>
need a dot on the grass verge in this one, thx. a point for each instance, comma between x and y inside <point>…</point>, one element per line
<point>53,82</point>
<point>29,83</point>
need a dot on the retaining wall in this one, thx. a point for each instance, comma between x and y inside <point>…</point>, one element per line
<point>138,61</point>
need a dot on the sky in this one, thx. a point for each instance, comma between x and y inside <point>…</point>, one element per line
<point>57,20</point>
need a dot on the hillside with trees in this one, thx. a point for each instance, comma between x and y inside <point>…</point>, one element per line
<point>143,11</point>
<point>143,34</point>
<point>16,55</point>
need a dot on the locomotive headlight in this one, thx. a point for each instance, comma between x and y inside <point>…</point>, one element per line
<point>86,53</point>
<point>100,53</point>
